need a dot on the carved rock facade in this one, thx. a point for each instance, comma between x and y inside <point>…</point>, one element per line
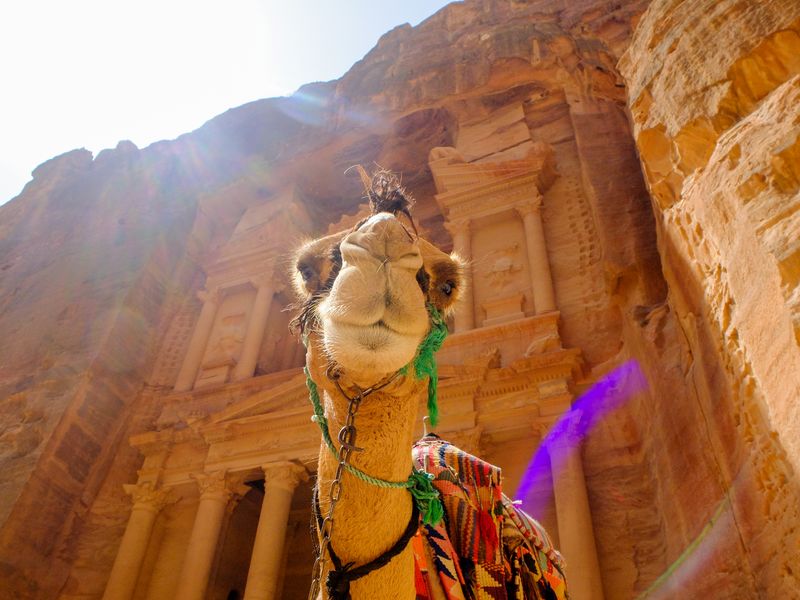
<point>152,399</point>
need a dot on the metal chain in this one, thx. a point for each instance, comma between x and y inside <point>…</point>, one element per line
<point>347,439</point>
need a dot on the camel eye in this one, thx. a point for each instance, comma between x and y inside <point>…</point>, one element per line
<point>306,272</point>
<point>447,287</point>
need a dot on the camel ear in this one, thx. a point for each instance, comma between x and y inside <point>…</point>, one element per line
<point>365,179</point>
<point>446,276</point>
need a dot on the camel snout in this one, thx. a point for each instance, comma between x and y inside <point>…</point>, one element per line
<point>385,239</point>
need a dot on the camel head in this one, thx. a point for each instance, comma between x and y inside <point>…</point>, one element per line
<point>366,291</point>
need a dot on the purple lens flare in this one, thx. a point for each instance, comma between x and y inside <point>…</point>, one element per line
<point>608,394</point>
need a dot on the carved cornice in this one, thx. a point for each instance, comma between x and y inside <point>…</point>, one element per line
<point>265,280</point>
<point>235,270</point>
<point>263,400</point>
<point>146,496</point>
<point>283,475</point>
<point>209,295</point>
<point>554,363</point>
<point>504,194</point>
<point>151,443</point>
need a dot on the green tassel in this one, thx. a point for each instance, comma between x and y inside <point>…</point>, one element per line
<point>420,484</point>
<point>425,362</point>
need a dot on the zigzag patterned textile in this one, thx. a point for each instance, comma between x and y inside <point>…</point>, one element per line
<point>485,548</point>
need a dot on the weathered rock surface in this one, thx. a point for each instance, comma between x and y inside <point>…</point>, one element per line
<point>716,112</point>
<point>98,260</point>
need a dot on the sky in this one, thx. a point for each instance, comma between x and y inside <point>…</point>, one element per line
<point>89,73</point>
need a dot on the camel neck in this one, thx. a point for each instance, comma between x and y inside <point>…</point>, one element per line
<point>384,427</point>
<point>370,519</point>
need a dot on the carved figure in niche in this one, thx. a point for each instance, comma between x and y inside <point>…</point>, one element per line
<point>228,343</point>
<point>503,269</point>
<point>373,300</point>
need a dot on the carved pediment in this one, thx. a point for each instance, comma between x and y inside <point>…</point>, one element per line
<point>284,396</point>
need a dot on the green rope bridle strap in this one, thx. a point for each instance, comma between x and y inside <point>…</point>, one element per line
<point>425,360</point>
<point>419,483</point>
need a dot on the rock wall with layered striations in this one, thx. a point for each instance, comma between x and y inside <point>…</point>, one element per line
<point>714,90</point>
<point>691,481</point>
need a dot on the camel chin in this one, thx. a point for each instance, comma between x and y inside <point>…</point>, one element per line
<point>368,353</point>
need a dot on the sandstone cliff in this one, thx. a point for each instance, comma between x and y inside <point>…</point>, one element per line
<point>99,258</point>
<point>716,118</point>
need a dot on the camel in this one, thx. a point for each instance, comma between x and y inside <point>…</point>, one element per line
<point>369,296</point>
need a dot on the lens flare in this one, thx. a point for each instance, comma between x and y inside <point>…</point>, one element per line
<point>608,394</point>
<point>670,582</point>
<point>316,109</point>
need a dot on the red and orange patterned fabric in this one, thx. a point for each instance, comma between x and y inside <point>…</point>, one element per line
<point>485,548</point>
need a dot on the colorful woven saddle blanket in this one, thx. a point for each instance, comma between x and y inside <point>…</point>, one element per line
<point>485,548</point>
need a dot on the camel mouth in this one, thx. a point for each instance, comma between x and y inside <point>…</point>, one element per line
<point>377,348</point>
<point>379,335</point>
<point>375,338</point>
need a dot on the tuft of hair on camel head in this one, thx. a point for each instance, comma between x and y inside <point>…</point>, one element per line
<point>385,193</point>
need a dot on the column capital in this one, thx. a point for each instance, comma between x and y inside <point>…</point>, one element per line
<point>566,431</point>
<point>529,207</point>
<point>209,295</point>
<point>541,427</point>
<point>459,226</point>
<point>216,485</point>
<point>264,280</point>
<point>284,475</point>
<point>147,496</point>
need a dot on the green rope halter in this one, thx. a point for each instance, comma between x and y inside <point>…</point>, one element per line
<point>419,483</point>
<point>425,361</point>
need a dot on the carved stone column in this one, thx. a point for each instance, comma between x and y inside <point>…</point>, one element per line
<point>462,245</point>
<point>575,531</point>
<point>197,345</point>
<point>215,493</point>
<point>541,279</point>
<point>256,326</point>
<point>147,503</point>
<point>280,481</point>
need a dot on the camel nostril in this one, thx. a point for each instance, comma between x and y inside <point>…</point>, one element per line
<point>382,225</point>
<point>385,238</point>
